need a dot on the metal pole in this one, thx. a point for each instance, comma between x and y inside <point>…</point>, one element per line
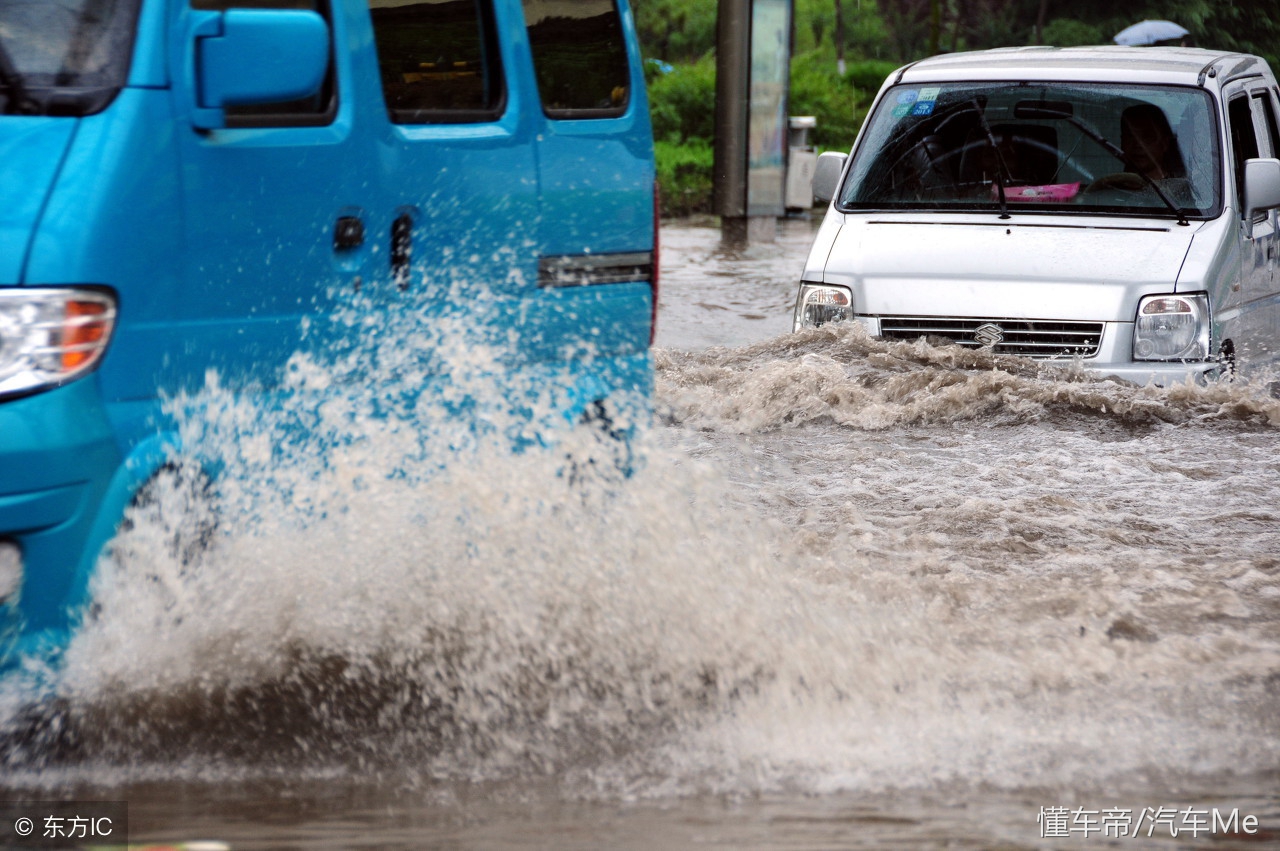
<point>733,76</point>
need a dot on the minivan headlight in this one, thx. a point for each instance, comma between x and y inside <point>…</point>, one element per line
<point>818,304</point>
<point>1172,327</point>
<point>51,336</point>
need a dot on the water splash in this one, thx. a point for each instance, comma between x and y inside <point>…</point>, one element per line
<point>790,592</point>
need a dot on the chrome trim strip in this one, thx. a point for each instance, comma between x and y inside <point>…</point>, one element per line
<point>576,270</point>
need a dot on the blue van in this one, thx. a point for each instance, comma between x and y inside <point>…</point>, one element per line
<point>189,186</point>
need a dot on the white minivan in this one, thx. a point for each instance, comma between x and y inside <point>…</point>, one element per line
<point>1110,206</point>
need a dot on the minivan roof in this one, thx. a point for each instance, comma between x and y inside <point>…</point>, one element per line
<point>1177,65</point>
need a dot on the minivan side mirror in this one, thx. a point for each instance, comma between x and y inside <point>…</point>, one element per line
<point>1261,186</point>
<point>253,56</point>
<point>826,175</point>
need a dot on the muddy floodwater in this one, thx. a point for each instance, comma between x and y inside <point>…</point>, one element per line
<point>855,594</point>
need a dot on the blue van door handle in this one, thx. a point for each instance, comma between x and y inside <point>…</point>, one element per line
<point>348,233</point>
<point>401,249</point>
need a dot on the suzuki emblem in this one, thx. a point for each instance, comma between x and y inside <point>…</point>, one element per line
<point>989,335</point>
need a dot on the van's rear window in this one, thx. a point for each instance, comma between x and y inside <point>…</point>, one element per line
<point>438,60</point>
<point>580,57</point>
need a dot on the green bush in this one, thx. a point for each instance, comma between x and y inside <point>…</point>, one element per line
<point>839,103</point>
<point>684,176</point>
<point>817,90</point>
<point>682,102</point>
<point>682,108</point>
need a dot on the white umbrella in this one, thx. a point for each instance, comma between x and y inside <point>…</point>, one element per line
<point>1150,32</point>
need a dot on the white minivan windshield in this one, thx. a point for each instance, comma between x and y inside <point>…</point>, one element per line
<point>1081,148</point>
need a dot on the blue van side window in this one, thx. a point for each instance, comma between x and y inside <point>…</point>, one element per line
<point>580,57</point>
<point>317,110</point>
<point>438,60</point>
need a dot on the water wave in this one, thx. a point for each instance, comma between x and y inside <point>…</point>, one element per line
<point>838,374</point>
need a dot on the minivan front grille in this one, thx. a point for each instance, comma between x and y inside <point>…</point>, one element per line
<point>1023,337</point>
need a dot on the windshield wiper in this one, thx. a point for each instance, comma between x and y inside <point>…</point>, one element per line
<point>1111,148</point>
<point>20,103</point>
<point>1001,168</point>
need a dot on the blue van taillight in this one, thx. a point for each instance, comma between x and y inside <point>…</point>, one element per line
<point>653,279</point>
<point>50,336</point>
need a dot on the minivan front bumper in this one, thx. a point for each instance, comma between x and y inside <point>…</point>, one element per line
<point>57,459</point>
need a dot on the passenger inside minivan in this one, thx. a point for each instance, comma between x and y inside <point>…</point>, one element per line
<point>1150,148</point>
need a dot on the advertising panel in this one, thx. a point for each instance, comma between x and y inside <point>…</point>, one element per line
<point>767,118</point>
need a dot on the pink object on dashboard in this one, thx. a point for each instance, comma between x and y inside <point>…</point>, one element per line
<point>1049,193</point>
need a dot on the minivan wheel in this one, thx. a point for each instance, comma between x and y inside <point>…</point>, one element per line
<point>180,500</point>
<point>607,455</point>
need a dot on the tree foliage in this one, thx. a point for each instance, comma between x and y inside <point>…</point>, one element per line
<point>905,30</point>
<point>676,30</point>
<point>681,101</point>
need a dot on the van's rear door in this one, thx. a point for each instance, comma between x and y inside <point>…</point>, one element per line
<point>458,181</point>
<point>595,156</point>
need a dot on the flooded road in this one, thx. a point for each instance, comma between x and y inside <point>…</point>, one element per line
<point>859,595</point>
<point>728,292</point>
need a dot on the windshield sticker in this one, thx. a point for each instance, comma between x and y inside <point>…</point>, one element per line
<point>916,101</point>
<point>906,103</point>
